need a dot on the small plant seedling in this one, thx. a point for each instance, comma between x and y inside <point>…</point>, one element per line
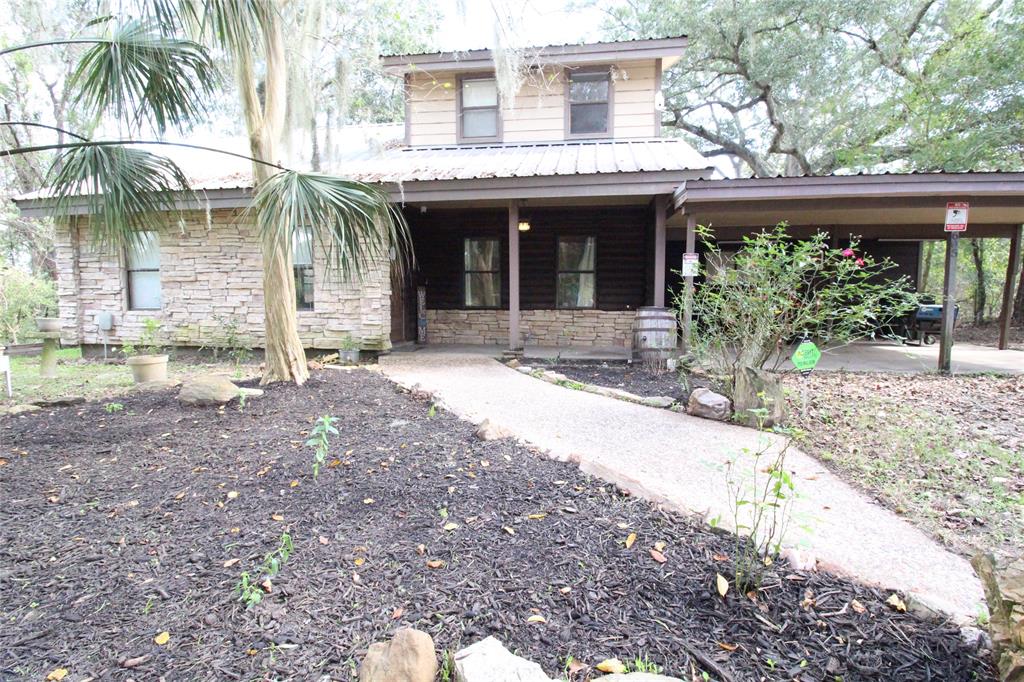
<point>250,588</point>
<point>642,664</point>
<point>241,401</point>
<point>447,673</point>
<point>113,407</point>
<point>432,412</point>
<point>319,440</point>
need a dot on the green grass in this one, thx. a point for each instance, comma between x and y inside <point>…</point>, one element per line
<point>92,379</point>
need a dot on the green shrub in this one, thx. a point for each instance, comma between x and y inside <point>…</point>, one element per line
<point>23,297</point>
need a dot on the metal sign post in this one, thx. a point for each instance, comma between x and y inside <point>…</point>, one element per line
<point>805,359</point>
<point>956,222</point>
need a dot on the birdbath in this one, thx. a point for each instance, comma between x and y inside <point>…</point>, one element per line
<point>48,361</point>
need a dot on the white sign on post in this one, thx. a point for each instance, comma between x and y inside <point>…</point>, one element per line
<point>691,265</point>
<point>956,216</point>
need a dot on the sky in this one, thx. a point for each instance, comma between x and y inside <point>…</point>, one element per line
<point>547,22</point>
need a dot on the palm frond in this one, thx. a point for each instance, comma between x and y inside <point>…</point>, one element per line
<point>230,24</point>
<point>140,73</point>
<point>124,190</point>
<point>353,223</point>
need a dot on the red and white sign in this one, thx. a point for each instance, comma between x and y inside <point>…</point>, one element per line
<point>691,265</point>
<point>956,216</point>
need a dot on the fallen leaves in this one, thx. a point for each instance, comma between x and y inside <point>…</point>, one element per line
<point>537,516</point>
<point>857,606</point>
<point>435,563</point>
<point>277,517</point>
<point>57,674</point>
<point>509,529</point>
<point>536,618</point>
<point>657,556</point>
<point>232,494</point>
<point>231,562</point>
<point>450,526</point>
<point>162,638</point>
<point>721,584</point>
<point>896,603</point>
<point>630,539</point>
<point>611,665</point>
<point>726,646</point>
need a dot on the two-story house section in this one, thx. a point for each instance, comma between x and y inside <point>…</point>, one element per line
<point>543,220</point>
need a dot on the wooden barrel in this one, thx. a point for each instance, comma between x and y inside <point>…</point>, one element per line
<point>654,335</point>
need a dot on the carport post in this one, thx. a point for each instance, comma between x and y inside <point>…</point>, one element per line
<point>513,276</point>
<point>948,304</point>
<point>691,247</point>
<point>660,206</point>
<point>1006,316</point>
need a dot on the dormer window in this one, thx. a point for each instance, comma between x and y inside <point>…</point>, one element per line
<point>588,103</point>
<point>478,109</point>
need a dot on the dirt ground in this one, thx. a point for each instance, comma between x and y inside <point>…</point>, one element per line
<point>988,335</point>
<point>125,534</point>
<point>946,452</point>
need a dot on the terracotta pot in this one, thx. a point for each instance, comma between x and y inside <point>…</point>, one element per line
<point>348,357</point>
<point>48,324</point>
<point>146,368</point>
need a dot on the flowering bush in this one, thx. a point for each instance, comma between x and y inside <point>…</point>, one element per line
<point>778,288</point>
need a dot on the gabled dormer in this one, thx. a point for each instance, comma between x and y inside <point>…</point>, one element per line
<point>572,92</point>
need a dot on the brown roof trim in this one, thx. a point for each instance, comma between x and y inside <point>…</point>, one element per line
<point>832,187</point>
<point>643,183</point>
<point>566,55</point>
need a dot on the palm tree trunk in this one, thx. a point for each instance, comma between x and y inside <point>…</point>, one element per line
<point>285,359</point>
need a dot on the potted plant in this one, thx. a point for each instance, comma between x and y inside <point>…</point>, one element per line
<point>46,323</point>
<point>348,351</point>
<point>146,358</point>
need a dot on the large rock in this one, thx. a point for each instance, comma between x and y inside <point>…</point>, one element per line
<point>488,430</point>
<point>706,403</point>
<point>209,389</point>
<point>408,657</point>
<point>756,389</point>
<point>1004,592</point>
<point>489,661</point>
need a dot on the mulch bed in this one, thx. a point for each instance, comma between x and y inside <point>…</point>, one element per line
<point>631,377</point>
<point>117,527</point>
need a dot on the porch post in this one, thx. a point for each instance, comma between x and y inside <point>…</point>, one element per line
<point>1006,316</point>
<point>691,247</point>
<point>948,303</point>
<point>660,206</point>
<point>513,276</point>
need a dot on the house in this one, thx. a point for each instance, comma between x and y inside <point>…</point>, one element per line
<point>547,220</point>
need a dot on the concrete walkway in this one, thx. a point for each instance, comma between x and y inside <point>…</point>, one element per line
<point>680,461</point>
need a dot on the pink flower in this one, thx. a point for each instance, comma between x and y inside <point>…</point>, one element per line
<point>859,262</point>
<point>848,252</point>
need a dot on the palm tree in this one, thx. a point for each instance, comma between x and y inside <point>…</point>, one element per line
<point>154,72</point>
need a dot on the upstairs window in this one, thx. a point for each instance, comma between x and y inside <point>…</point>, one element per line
<point>478,114</point>
<point>144,272</point>
<point>576,272</point>
<point>589,103</point>
<point>302,266</point>
<point>482,273</point>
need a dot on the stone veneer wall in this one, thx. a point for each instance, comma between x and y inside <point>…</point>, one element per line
<point>211,278</point>
<point>538,327</point>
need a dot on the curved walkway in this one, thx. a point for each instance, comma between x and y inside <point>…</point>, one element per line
<point>679,461</point>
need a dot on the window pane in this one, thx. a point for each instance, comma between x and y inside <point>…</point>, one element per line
<point>479,93</point>
<point>304,287</point>
<point>302,251</point>
<point>480,123</point>
<point>588,87</point>
<point>482,254</point>
<point>145,254</point>
<point>575,290</point>
<point>588,118</point>
<point>576,253</point>
<point>144,290</point>
<point>483,290</point>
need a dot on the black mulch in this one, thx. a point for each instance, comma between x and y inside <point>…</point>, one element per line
<point>633,378</point>
<point>116,527</point>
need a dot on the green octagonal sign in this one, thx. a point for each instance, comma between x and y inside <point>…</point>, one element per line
<point>806,356</point>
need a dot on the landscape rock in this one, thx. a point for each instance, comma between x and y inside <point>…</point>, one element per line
<point>706,403</point>
<point>755,389</point>
<point>488,430</point>
<point>21,409</point>
<point>513,363</point>
<point>59,402</point>
<point>250,393</point>
<point>157,385</point>
<point>524,369</point>
<point>408,657</point>
<point>1004,592</point>
<point>209,389</point>
<point>489,661</point>
<point>660,401</point>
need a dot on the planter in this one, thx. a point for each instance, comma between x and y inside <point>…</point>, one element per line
<point>146,368</point>
<point>48,324</point>
<point>348,357</point>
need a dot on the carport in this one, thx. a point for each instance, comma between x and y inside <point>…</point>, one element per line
<point>887,207</point>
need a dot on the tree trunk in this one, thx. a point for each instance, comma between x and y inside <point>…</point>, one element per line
<point>926,266</point>
<point>1018,306</point>
<point>977,253</point>
<point>285,359</point>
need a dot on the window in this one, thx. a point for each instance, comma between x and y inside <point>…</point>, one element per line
<point>144,272</point>
<point>482,278</point>
<point>478,114</point>
<point>589,94</point>
<point>576,275</point>
<point>302,265</point>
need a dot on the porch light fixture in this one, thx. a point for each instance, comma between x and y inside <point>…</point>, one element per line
<point>524,225</point>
